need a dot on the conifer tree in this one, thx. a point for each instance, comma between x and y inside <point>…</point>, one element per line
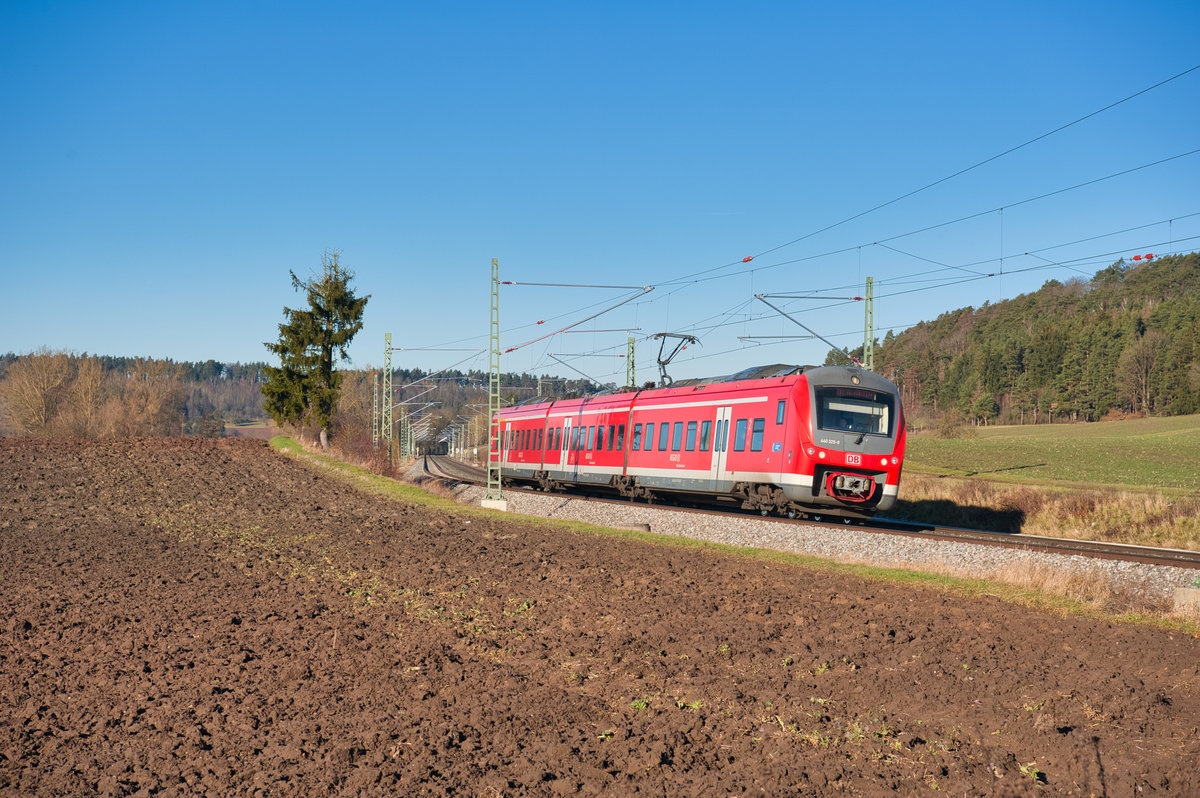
<point>304,389</point>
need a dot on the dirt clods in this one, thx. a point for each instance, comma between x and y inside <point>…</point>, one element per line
<point>189,617</point>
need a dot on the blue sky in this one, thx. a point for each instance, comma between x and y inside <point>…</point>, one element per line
<point>165,164</point>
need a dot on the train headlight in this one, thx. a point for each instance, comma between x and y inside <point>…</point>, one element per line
<point>895,461</point>
<point>883,462</point>
<point>811,451</point>
<point>821,455</point>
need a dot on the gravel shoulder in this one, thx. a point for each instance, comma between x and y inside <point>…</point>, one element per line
<point>1150,585</point>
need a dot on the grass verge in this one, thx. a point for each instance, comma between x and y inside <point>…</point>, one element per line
<point>1043,597</point>
<point>1140,517</point>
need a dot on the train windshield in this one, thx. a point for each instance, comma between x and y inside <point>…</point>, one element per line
<point>855,410</point>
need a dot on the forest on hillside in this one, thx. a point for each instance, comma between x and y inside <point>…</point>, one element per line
<point>1126,341</point>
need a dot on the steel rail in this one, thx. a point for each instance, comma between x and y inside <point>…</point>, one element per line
<point>448,468</point>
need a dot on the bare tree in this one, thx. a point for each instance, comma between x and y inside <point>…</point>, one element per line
<point>1135,369</point>
<point>32,389</point>
<point>85,397</point>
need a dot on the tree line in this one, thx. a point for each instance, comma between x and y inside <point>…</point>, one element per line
<point>57,393</point>
<point>1125,341</point>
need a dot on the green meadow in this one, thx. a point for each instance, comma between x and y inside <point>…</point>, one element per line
<point>1133,481</point>
<point>1154,453</point>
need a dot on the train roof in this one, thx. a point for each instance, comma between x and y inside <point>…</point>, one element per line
<point>773,371</point>
<point>753,373</point>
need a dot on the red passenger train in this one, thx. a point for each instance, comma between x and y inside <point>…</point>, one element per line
<point>782,439</point>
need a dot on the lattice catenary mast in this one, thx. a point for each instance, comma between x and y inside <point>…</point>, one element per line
<point>869,325</point>
<point>386,406</point>
<point>494,492</point>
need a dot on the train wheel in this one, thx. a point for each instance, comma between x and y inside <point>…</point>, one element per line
<point>791,513</point>
<point>815,517</point>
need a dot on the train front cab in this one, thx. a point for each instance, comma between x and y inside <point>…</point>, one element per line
<point>852,440</point>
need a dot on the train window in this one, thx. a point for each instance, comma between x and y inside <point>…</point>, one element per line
<point>705,429</point>
<point>779,411</point>
<point>739,436</point>
<point>636,443</point>
<point>663,432</point>
<point>855,410</point>
<point>677,436</point>
<point>539,441</point>
<point>611,436</point>
<point>649,437</point>
<point>591,438</point>
<point>599,438</point>
<point>756,434</point>
<point>690,445</point>
<point>620,436</point>
<point>557,439</point>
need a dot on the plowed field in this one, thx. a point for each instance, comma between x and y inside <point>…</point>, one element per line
<point>210,618</point>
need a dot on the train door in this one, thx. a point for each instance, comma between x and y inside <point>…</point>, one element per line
<point>720,446</point>
<point>566,448</point>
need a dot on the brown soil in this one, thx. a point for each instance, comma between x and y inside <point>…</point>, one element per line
<point>210,618</point>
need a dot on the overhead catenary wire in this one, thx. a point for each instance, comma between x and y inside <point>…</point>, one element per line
<point>928,228</point>
<point>1098,258</point>
<point>641,292</point>
<point>937,182</point>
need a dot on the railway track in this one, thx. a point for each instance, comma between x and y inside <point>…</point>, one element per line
<point>444,467</point>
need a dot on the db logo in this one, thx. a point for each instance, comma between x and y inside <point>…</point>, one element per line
<point>854,459</point>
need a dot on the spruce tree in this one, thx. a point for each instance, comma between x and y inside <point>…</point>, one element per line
<point>304,389</point>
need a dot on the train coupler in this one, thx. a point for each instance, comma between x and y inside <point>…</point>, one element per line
<point>850,487</point>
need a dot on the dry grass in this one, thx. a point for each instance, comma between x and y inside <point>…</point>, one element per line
<point>1148,518</point>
